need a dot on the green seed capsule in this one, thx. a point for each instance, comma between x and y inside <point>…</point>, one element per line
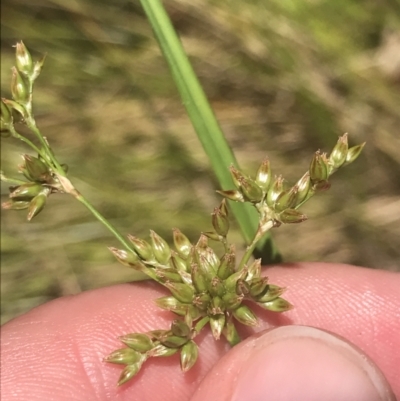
<point>36,169</point>
<point>143,248</point>
<point>161,250</point>
<point>233,195</point>
<point>19,88</point>
<point>138,342</point>
<point>290,216</point>
<point>180,328</point>
<point>189,355</point>
<point>273,291</point>
<point>245,315</point>
<point>251,190</point>
<point>28,190</point>
<point>129,372</point>
<point>217,323</point>
<point>339,152</point>
<point>124,356</point>
<point>181,291</point>
<point>264,175</point>
<point>274,191</point>
<point>182,243</point>
<point>126,258</point>
<point>276,305</point>
<point>172,341</point>
<point>353,153</point>
<point>23,59</point>
<point>37,204</point>
<point>231,333</point>
<point>162,350</point>
<point>318,168</point>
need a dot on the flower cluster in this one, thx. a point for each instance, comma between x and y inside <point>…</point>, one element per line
<point>42,181</point>
<point>217,291</point>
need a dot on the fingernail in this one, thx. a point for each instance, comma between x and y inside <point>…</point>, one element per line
<point>304,363</point>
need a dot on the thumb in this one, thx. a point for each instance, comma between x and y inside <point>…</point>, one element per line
<point>295,363</point>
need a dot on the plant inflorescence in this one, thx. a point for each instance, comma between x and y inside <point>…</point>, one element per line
<point>206,288</point>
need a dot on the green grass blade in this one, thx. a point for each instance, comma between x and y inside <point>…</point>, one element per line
<point>204,121</point>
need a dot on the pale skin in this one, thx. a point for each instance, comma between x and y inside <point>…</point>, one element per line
<point>55,351</point>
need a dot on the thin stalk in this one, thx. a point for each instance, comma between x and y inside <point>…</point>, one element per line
<point>202,117</point>
<point>258,236</point>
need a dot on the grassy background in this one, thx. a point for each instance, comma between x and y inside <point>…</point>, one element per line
<point>284,79</point>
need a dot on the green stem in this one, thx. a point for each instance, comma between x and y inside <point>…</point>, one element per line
<point>15,134</point>
<point>30,122</point>
<point>103,220</point>
<point>202,117</point>
<point>261,232</point>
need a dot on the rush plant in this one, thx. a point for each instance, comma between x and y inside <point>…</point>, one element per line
<point>207,288</point>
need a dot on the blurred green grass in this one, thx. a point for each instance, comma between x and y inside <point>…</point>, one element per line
<point>284,78</point>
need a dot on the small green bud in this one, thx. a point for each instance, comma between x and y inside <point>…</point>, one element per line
<point>232,300</point>
<point>245,315</point>
<point>16,106</point>
<point>290,216</point>
<point>286,199</point>
<point>275,190</point>
<point>19,88</point>
<point>129,372</point>
<point>339,152</point>
<point>273,291</point>
<point>217,323</point>
<point>231,333</point>
<point>233,195</point>
<point>180,328</point>
<point>172,304</point>
<point>258,286</point>
<point>202,301</point>
<point>181,291</point>
<point>178,263</point>
<point>168,274</point>
<point>230,282</point>
<point>25,191</point>
<point>319,167</point>
<point>189,354</point>
<point>213,235</point>
<point>37,204</point>
<point>162,350</point>
<point>216,306</point>
<point>182,243</point>
<point>277,305</point>
<point>36,169</point>
<point>303,188</point>
<point>172,341</point>
<point>15,205</point>
<point>264,175</point>
<point>242,287</point>
<point>353,153</point>
<point>237,176</point>
<point>216,287</point>
<point>220,220</point>
<point>254,270</point>
<point>186,277</point>
<point>142,247</point>
<point>227,265</point>
<point>126,258</point>
<point>138,342</point>
<point>251,190</point>
<point>321,186</point>
<point>38,67</point>
<point>124,356</point>
<point>23,59</point>
<point>200,277</point>
<point>161,249</point>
